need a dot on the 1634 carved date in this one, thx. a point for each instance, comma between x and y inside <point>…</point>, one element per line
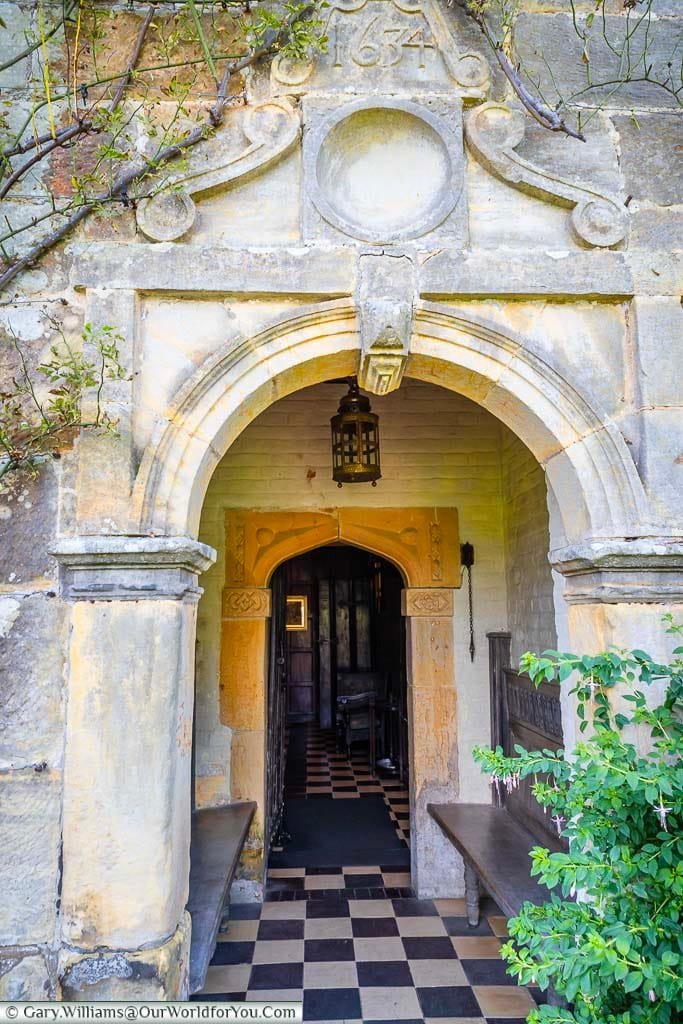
<point>379,43</point>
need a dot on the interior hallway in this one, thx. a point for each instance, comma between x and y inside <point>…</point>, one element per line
<point>317,776</point>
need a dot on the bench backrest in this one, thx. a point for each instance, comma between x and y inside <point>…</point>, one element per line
<point>531,717</point>
<point>352,684</point>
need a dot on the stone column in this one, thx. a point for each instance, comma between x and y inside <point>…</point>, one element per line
<point>432,716</point>
<point>126,816</point>
<point>244,686</point>
<point>616,593</point>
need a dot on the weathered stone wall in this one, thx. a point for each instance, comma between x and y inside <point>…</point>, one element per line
<point>33,638</point>
<point>530,607</point>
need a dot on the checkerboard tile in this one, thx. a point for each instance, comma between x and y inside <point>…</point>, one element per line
<point>366,960</point>
<point>329,773</point>
<point>371,881</point>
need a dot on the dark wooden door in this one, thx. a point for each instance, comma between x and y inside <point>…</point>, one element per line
<point>327,653</point>
<point>277,699</point>
<point>302,651</point>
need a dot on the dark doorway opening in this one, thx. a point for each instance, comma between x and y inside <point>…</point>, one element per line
<point>338,733</point>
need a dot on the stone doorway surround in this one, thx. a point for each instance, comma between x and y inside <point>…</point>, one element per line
<point>423,543</point>
<point>132,563</point>
<point>438,306</point>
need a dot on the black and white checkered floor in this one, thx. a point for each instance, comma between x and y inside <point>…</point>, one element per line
<point>329,773</point>
<point>365,959</point>
<point>353,943</point>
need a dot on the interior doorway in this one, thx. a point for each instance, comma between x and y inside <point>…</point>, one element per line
<point>337,764</point>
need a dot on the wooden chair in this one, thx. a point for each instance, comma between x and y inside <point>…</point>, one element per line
<point>357,722</point>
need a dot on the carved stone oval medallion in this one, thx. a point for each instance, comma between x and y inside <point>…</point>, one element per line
<point>166,216</point>
<point>385,171</point>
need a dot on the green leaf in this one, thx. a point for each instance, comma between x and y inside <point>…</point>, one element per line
<point>634,980</point>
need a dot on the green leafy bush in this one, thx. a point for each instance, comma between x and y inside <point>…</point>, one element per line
<point>610,939</point>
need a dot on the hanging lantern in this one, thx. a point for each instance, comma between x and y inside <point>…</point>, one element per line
<point>355,441</point>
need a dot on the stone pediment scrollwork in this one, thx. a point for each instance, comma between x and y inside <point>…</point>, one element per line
<point>370,41</point>
<point>266,132</point>
<point>494,130</point>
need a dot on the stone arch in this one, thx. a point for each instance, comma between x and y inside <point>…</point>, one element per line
<point>586,460</point>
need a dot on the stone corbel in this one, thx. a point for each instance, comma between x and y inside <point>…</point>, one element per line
<point>386,298</point>
<point>270,131</point>
<point>493,130</point>
<point>111,568</point>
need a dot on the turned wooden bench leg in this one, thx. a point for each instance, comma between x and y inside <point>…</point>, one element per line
<point>472,895</point>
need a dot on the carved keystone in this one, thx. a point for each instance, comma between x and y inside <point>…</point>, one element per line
<point>493,130</point>
<point>386,297</point>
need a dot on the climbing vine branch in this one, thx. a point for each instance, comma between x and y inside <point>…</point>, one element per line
<point>615,48</point>
<point>41,410</point>
<point>140,131</point>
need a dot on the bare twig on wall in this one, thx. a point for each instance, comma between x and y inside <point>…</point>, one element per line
<point>615,51</point>
<point>117,165</point>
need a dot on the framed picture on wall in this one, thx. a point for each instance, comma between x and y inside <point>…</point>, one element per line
<point>296,617</point>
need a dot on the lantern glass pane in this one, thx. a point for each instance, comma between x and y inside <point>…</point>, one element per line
<point>350,443</point>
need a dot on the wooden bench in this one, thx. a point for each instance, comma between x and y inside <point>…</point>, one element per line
<point>495,849</point>
<point>495,842</point>
<point>218,835</point>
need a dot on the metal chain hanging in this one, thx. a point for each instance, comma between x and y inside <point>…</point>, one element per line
<point>467,560</point>
<point>469,595</point>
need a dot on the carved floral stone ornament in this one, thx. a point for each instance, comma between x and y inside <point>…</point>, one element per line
<point>248,603</point>
<point>493,131</point>
<point>432,602</point>
<point>384,170</point>
<point>265,132</point>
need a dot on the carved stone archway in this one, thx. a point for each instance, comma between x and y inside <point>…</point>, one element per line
<point>585,458</point>
<point>423,544</point>
<point>147,581</point>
